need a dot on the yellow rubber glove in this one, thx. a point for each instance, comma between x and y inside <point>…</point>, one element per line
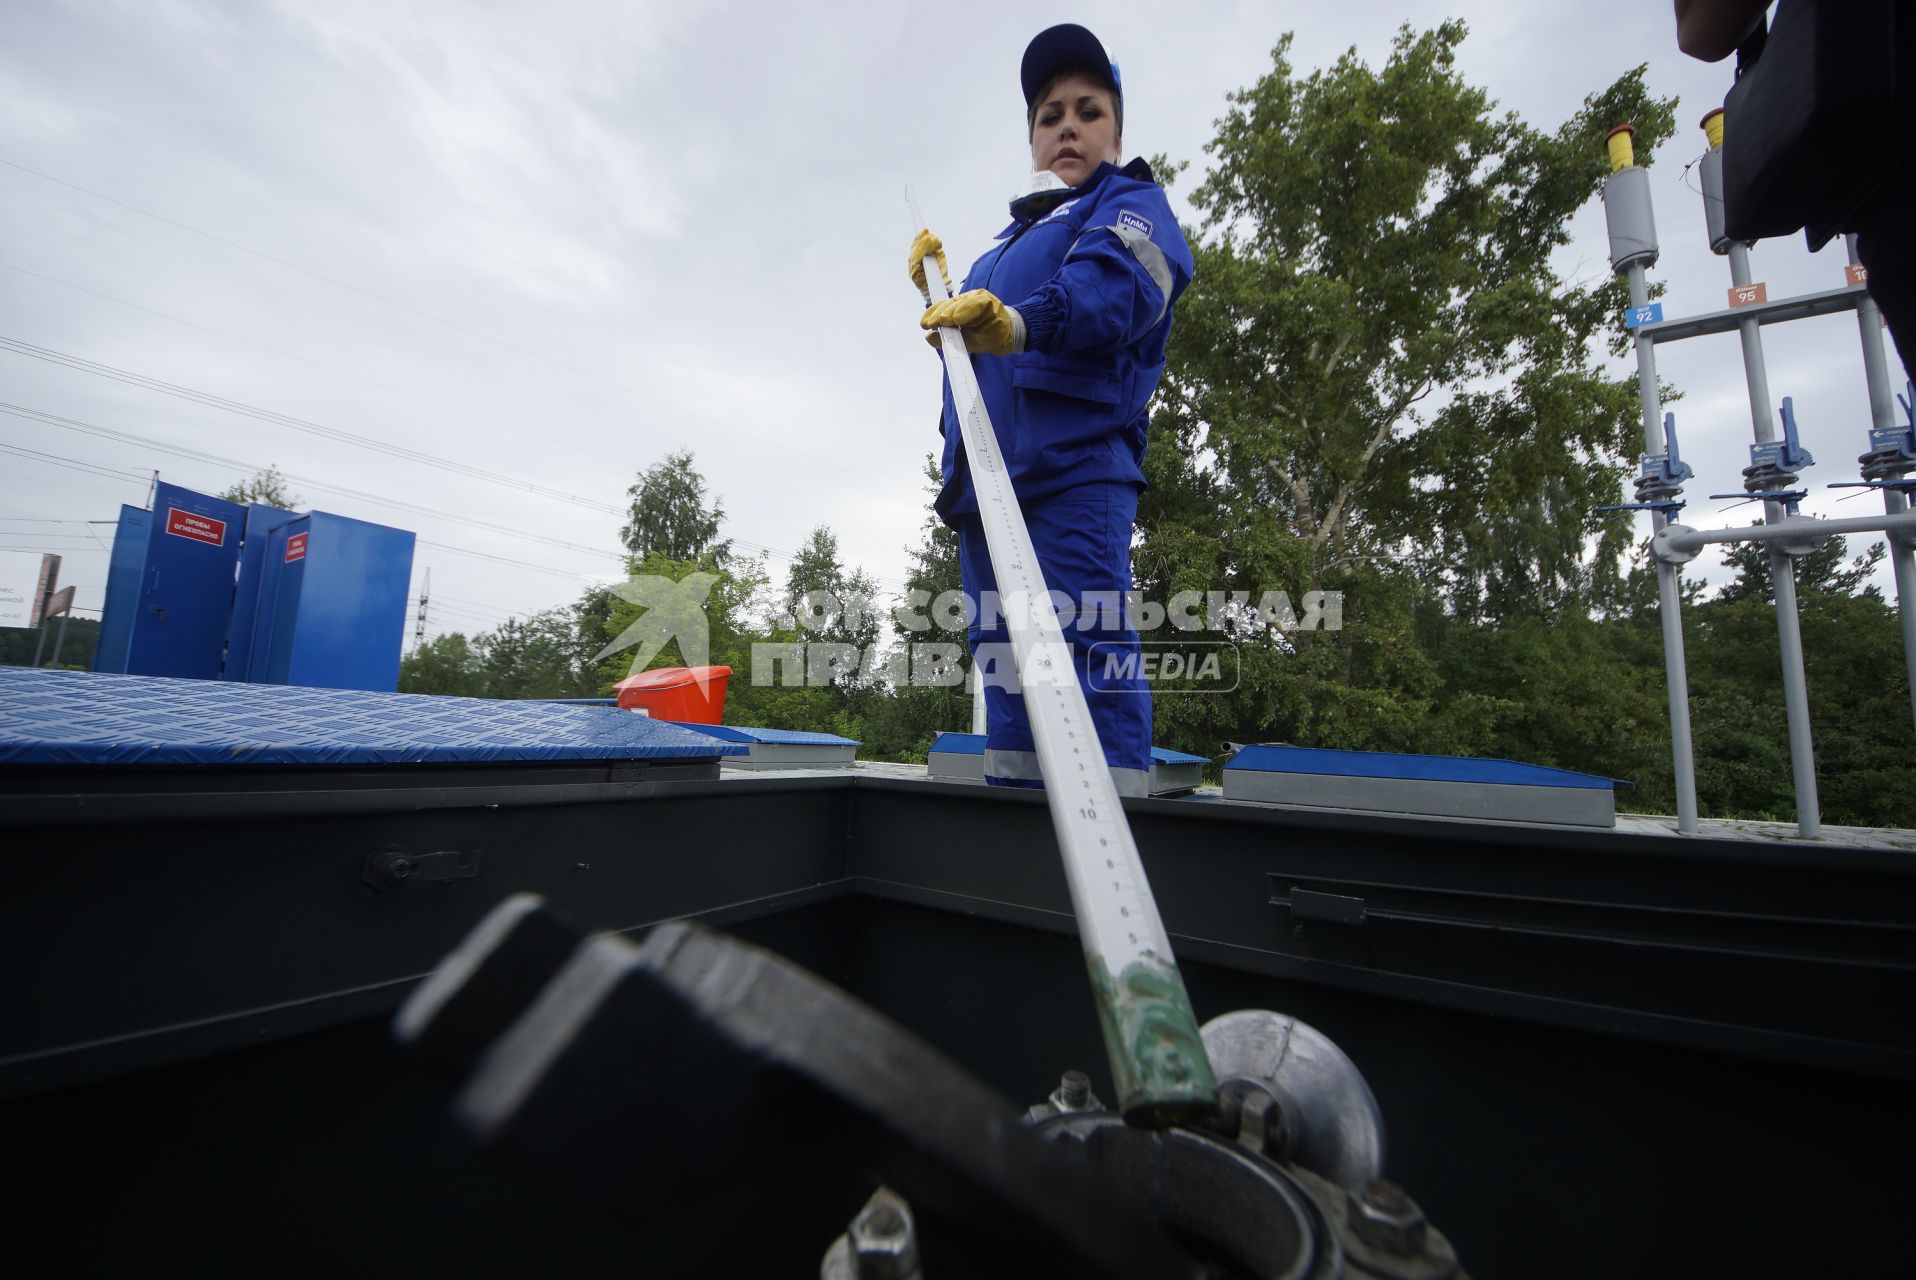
<point>990,327</point>
<point>915,262</point>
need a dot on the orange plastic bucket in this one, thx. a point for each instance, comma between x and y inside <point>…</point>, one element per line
<point>694,695</point>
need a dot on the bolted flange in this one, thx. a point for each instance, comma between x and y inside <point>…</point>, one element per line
<point>1664,548</point>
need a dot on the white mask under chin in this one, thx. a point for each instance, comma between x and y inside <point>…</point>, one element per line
<point>1044,180</point>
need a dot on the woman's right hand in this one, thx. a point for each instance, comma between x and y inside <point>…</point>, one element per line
<point>926,243</point>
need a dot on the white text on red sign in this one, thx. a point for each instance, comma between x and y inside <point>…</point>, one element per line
<point>1749,295</point>
<point>296,548</point>
<point>1856,273</point>
<point>184,524</point>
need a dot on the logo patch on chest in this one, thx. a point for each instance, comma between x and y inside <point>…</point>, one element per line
<point>1060,211</point>
<point>1128,219</point>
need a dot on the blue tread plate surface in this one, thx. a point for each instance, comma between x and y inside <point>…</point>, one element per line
<point>82,718</point>
<point>960,744</point>
<point>1164,755</point>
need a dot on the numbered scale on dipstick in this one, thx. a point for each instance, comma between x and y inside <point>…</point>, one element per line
<point>1158,1063</point>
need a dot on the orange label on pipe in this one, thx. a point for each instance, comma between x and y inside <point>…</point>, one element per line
<point>1856,273</point>
<point>1748,295</point>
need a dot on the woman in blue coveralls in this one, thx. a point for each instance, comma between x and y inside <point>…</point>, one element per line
<point>1068,314</point>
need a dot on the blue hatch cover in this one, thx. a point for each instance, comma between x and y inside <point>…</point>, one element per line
<point>1388,764</point>
<point>81,718</point>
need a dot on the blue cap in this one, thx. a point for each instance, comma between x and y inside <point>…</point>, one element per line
<point>1064,47</point>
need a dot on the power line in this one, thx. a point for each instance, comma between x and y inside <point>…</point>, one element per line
<point>482,604</point>
<point>18,411</point>
<point>440,614</point>
<point>343,373</point>
<point>285,355</point>
<point>451,324</point>
<point>517,564</point>
<point>210,400</point>
<point>71,464</point>
<point>197,455</point>
<point>313,428</point>
<point>65,484</point>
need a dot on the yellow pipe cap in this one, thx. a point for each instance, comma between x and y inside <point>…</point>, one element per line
<point>1622,144</point>
<point>1712,126</point>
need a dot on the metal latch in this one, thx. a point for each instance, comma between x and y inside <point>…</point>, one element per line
<point>1324,926</point>
<point>387,867</point>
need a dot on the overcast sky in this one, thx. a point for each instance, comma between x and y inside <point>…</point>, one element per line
<point>557,241</point>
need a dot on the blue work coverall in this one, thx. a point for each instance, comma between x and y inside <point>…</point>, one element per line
<point>1094,271</point>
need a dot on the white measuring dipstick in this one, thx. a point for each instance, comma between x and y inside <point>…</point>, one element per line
<point>1151,1035</point>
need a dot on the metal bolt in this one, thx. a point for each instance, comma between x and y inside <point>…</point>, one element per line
<point>883,1240</point>
<point>1383,1216</point>
<point>399,868</point>
<point>1072,1095</point>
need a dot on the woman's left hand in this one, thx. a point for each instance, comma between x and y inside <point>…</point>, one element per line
<point>990,327</point>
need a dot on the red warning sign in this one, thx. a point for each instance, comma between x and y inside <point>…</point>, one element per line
<point>184,524</point>
<point>296,548</point>
<point>1749,295</point>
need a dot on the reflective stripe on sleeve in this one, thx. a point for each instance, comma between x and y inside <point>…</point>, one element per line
<point>1149,256</point>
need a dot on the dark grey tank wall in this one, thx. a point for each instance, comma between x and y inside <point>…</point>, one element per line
<point>1540,1151</point>
<point>1596,1054</point>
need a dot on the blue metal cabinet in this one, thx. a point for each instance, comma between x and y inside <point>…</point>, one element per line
<point>261,520</point>
<point>122,590</point>
<point>206,588</point>
<point>170,586</point>
<point>332,604</point>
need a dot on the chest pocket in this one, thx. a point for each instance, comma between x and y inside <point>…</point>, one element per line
<point>1076,382</point>
<point>1063,406</point>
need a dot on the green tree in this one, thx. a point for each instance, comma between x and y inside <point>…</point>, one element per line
<point>543,656</point>
<point>1858,688</point>
<point>447,664</point>
<point>1822,570</point>
<point>905,724</point>
<point>1377,352</point>
<point>76,652</point>
<point>669,517</point>
<point>1378,385</point>
<point>836,606</point>
<point>268,487</point>
<point>933,566</point>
